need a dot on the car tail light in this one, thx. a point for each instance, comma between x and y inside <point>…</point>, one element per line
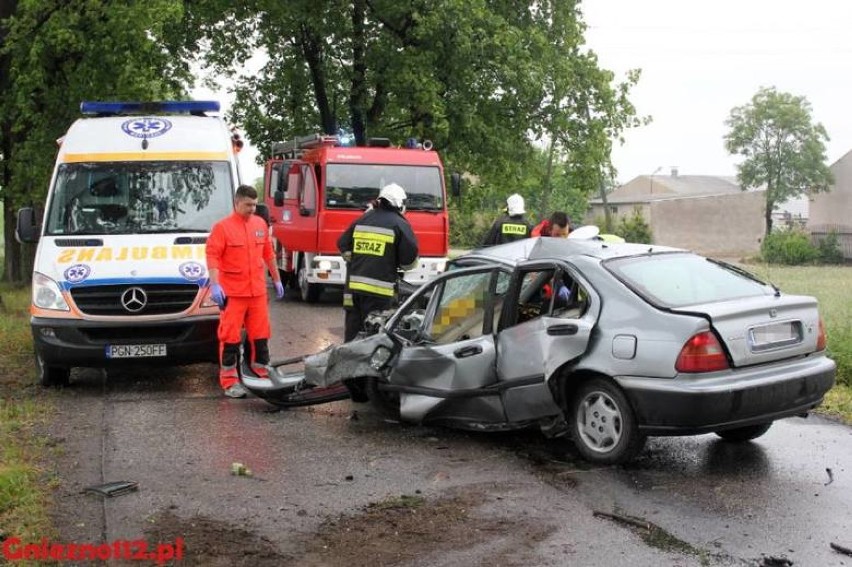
<point>821,338</point>
<point>702,353</point>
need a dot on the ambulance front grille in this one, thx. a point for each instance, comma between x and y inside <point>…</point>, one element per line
<point>126,300</point>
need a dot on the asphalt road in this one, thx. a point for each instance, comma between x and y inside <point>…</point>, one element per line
<point>516,499</point>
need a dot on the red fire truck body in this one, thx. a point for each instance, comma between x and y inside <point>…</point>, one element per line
<point>316,187</point>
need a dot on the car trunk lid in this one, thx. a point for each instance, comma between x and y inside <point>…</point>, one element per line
<point>757,330</point>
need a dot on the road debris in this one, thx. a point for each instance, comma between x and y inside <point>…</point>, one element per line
<point>623,519</point>
<point>772,561</point>
<point>111,489</point>
<point>239,469</point>
<point>841,549</point>
<point>830,476</point>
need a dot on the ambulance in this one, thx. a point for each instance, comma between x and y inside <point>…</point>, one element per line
<point>119,276</point>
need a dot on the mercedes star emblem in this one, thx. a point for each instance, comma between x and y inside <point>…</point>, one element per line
<point>134,299</point>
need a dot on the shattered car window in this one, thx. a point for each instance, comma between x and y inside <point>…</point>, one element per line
<point>461,312</point>
<point>534,299</point>
<point>409,326</point>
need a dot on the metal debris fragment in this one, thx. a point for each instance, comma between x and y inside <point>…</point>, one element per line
<point>115,488</point>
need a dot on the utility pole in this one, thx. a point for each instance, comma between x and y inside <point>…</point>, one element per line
<point>656,171</point>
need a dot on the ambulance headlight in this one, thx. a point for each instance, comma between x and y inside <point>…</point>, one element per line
<point>46,293</point>
<point>380,357</point>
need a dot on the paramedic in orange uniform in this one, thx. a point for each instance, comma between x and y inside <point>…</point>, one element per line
<point>237,249</point>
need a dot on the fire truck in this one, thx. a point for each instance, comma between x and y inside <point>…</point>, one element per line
<point>316,186</point>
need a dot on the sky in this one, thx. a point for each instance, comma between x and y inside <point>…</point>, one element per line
<point>699,60</point>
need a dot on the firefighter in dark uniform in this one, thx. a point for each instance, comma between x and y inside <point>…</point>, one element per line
<point>375,247</point>
<point>511,226</point>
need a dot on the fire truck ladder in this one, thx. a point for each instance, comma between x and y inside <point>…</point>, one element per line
<point>291,149</point>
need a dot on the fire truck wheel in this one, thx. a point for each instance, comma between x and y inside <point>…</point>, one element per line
<point>309,292</point>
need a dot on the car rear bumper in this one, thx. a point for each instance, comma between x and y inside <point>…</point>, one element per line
<point>69,343</point>
<point>691,404</point>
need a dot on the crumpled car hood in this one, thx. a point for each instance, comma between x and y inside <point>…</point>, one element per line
<point>349,360</point>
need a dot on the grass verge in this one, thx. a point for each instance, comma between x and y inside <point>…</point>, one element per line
<point>23,494</point>
<point>828,285</point>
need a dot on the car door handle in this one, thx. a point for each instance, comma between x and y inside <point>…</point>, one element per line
<point>562,330</point>
<point>464,352</point>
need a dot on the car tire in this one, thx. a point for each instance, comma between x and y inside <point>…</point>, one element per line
<point>49,376</point>
<point>603,424</point>
<point>386,403</point>
<point>743,434</point>
<point>310,293</point>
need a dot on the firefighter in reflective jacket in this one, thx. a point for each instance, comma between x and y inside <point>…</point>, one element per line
<point>237,250</point>
<point>375,247</point>
<point>511,226</point>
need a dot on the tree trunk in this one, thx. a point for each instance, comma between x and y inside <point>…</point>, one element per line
<point>607,213</point>
<point>767,215</point>
<point>770,204</point>
<point>313,52</point>
<point>358,92</point>
<point>547,185</point>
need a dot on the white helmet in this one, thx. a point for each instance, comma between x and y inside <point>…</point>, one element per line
<point>394,195</point>
<point>515,205</point>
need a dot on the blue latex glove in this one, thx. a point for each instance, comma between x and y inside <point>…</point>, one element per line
<point>564,294</point>
<point>279,290</point>
<point>217,294</point>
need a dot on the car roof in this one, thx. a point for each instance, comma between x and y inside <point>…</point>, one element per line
<point>540,248</point>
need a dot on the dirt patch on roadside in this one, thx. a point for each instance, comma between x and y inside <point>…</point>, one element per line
<point>409,529</point>
<point>403,530</point>
<point>215,543</point>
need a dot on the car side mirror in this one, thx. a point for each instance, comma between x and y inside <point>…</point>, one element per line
<point>27,230</point>
<point>278,198</point>
<point>455,184</point>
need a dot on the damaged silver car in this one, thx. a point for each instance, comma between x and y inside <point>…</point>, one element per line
<point>608,343</point>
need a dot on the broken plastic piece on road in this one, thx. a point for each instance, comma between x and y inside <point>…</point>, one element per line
<point>115,488</point>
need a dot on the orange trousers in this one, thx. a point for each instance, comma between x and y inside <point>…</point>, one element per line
<point>252,314</point>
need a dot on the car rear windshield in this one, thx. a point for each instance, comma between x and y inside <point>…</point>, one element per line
<point>678,280</point>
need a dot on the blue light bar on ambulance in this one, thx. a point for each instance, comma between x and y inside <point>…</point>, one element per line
<point>165,106</point>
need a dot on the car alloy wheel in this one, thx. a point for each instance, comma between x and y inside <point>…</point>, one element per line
<point>602,423</point>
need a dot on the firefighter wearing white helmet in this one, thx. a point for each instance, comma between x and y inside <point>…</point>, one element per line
<point>375,247</point>
<point>510,226</point>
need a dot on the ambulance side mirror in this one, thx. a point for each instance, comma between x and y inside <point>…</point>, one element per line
<point>26,229</point>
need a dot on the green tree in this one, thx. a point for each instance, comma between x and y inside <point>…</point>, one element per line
<point>784,149</point>
<point>54,55</point>
<point>482,79</point>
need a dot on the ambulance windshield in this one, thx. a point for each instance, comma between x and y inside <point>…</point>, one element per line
<point>139,197</point>
<point>353,186</point>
